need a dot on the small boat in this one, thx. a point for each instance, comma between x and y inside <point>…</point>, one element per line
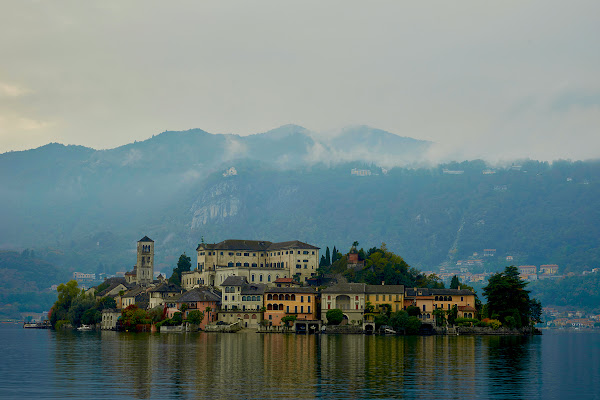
<point>84,328</point>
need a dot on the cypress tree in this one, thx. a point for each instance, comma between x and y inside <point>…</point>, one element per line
<point>327,257</point>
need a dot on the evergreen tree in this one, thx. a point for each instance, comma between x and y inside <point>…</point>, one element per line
<point>454,283</point>
<point>334,255</point>
<point>507,297</point>
<point>323,262</point>
<point>184,264</point>
<point>327,257</point>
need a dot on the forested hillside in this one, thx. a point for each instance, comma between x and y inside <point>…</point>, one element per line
<point>84,209</point>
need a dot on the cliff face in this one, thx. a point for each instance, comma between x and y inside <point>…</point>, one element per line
<point>217,204</point>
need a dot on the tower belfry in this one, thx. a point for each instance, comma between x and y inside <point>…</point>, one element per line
<point>144,267</point>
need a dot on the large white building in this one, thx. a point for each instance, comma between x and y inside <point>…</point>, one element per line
<point>258,261</point>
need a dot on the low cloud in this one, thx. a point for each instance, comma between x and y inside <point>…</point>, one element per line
<point>133,156</point>
<point>233,148</point>
<point>12,90</point>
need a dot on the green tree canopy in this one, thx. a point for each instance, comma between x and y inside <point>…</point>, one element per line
<point>195,317</point>
<point>507,297</point>
<point>454,283</point>
<point>335,316</point>
<point>184,264</point>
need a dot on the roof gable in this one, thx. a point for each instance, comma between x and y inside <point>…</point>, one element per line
<point>146,239</point>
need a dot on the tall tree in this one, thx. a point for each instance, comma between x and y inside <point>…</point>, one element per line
<point>327,257</point>
<point>454,283</point>
<point>184,264</point>
<point>334,255</point>
<point>507,297</point>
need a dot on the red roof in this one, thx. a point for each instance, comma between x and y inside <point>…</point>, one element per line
<point>466,308</point>
<point>285,280</point>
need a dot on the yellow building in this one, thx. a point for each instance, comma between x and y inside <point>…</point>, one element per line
<point>378,295</point>
<point>257,261</point>
<point>428,300</point>
<point>282,301</point>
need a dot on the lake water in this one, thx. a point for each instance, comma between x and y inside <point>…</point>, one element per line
<point>248,365</point>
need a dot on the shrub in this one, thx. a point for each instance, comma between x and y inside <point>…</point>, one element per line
<point>288,318</point>
<point>195,317</point>
<point>335,316</point>
<point>495,324</point>
<point>465,321</point>
<point>481,324</point>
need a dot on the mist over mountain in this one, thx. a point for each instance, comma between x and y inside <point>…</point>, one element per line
<point>84,209</point>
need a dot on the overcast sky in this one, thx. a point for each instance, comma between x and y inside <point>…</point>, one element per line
<point>498,79</point>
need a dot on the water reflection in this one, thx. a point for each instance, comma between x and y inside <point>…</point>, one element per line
<point>251,365</point>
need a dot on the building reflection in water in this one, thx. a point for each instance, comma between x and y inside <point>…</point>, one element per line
<point>252,365</point>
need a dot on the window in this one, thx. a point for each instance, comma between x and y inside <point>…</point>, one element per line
<point>286,252</point>
<point>462,299</point>
<point>232,298</point>
<point>238,264</point>
<point>295,309</point>
<point>270,316</point>
<point>302,309</point>
<point>356,298</point>
<point>328,297</point>
<point>313,252</point>
<point>261,278</point>
<point>230,253</point>
<point>253,278</point>
<point>269,278</point>
<point>221,253</point>
<point>238,254</point>
<point>305,261</point>
<point>424,307</point>
<point>261,265</point>
<point>309,300</point>
<point>329,306</point>
<point>225,297</point>
<point>246,254</point>
<point>301,299</point>
<point>298,266</point>
<point>305,252</point>
<point>305,266</point>
<point>253,265</point>
<point>246,264</point>
<point>298,251</point>
<point>287,310</point>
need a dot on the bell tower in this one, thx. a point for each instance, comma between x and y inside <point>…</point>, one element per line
<point>144,268</point>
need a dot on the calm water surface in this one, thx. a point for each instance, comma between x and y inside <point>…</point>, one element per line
<point>247,365</point>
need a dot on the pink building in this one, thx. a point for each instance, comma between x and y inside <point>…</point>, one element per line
<point>197,299</point>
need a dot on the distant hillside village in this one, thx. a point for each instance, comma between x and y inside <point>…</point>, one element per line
<point>268,286</point>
